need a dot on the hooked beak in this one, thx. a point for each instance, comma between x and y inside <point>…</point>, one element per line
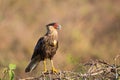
<point>59,27</point>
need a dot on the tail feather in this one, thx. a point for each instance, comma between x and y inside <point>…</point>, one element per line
<point>32,65</point>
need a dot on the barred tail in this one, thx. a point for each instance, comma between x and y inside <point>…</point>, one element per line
<point>32,65</point>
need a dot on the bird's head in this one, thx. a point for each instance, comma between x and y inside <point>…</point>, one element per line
<point>53,26</point>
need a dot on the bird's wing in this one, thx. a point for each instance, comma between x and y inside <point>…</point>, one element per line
<point>38,47</point>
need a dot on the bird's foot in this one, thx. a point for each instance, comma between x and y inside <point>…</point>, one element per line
<point>45,71</point>
<point>54,70</point>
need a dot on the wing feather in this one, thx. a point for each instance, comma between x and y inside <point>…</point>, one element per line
<point>45,48</point>
<point>38,47</point>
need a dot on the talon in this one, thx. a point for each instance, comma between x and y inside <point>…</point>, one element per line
<point>45,71</point>
<point>54,70</point>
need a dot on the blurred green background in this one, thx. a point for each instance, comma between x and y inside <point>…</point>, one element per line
<point>90,30</point>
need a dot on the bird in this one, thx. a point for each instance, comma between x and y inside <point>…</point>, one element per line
<point>45,48</point>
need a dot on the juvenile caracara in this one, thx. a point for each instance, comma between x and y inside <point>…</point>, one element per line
<point>45,48</point>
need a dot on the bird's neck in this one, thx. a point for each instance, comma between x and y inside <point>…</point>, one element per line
<point>53,34</point>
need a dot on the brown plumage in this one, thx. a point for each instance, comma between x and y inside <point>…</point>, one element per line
<point>45,48</point>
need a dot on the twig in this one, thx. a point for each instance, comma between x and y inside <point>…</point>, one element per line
<point>98,70</point>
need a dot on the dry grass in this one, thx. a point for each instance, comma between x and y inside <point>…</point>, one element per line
<point>97,70</point>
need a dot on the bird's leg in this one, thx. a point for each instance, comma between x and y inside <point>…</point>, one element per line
<point>53,68</point>
<point>45,69</point>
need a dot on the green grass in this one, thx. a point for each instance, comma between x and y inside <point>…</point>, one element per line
<point>8,72</point>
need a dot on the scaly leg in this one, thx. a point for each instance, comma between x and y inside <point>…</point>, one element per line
<point>45,69</point>
<point>53,68</point>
